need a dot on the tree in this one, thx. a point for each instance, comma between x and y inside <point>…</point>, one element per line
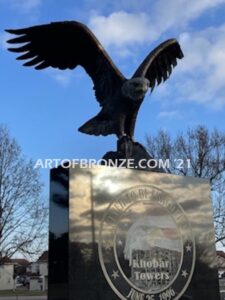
<point>22,212</point>
<point>197,153</point>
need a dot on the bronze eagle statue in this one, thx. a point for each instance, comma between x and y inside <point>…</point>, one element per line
<point>66,45</point>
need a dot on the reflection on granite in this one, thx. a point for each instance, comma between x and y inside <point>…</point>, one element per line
<point>106,244</point>
<point>58,235</point>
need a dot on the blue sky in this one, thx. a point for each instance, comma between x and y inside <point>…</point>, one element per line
<point>43,109</point>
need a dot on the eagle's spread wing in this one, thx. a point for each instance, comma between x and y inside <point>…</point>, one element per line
<point>158,65</point>
<point>66,45</point>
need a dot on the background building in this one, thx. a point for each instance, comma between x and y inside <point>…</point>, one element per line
<point>38,273</point>
<point>6,276</point>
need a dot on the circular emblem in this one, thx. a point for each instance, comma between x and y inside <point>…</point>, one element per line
<point>146,247</point>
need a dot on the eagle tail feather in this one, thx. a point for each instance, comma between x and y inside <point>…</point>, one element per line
<point>98,126</point>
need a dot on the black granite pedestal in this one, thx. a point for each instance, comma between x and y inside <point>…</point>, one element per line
<point>129,234</point>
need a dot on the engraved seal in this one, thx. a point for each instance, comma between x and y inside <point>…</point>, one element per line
<point>146,247</point>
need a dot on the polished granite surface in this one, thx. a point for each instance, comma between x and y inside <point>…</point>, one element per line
<point>128,234</point>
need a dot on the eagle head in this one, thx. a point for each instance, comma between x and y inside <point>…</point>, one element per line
<point>135,88</point>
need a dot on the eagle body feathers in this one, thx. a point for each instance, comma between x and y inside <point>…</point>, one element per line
<point>65,45</point>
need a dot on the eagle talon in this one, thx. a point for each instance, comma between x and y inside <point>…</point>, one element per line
<point>125,139</point>
<point>125,146</point>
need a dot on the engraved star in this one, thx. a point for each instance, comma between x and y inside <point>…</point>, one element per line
<point>184,273</point>
<point>108,245</point>
<point>115,275</point>
<point>188,248</point>
<point>120,243</point>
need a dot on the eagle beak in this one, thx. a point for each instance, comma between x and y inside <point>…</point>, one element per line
<point>143,89</point>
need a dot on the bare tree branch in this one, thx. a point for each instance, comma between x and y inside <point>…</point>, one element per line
<point>205,152</point>
<point>23,223</point>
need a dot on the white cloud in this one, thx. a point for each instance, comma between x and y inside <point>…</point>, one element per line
<point>200,76</point>
<point>24,6</point>
<point>169,114</point>
<point>120,28</point>
<point>175,13</point>
<point>64,78</point>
